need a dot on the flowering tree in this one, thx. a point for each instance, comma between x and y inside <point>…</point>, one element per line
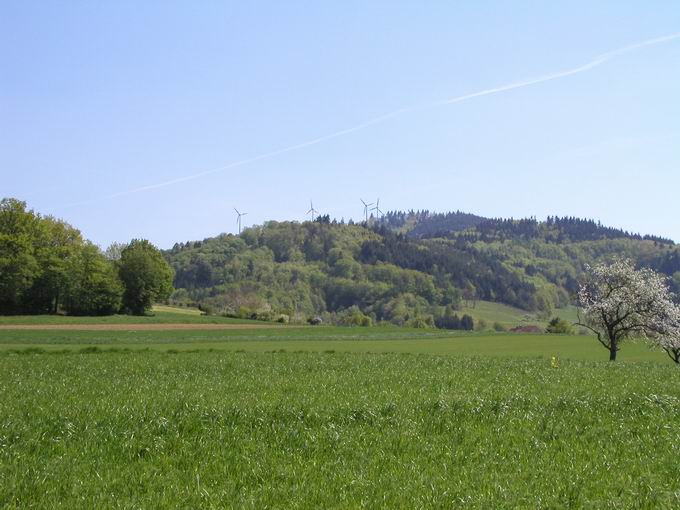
<point>668,337</point>
<point>619,301</point>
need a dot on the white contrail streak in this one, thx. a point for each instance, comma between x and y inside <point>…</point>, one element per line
<point>597,61</point>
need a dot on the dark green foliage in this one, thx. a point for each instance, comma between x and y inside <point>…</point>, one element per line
<point>450,320</point>
<point>421,224</point>
<point>146,276</point>
<point>467,323</point>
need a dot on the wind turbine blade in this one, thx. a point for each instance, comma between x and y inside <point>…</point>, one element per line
<point>237,211</point>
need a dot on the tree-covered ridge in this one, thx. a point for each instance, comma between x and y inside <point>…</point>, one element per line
<point>553,230</point>
<point>425,223</point>
<point>346,271</point>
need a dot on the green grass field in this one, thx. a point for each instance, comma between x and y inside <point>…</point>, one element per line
<point>325,417</point>
<point>159,315</point>
<point>319,339</point>
<point>335,430</point>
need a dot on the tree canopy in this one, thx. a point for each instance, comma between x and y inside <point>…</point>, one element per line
<point>145,274</point>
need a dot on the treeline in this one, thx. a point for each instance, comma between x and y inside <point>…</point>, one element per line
<point>554,230</point>
<point>424,223</point>
<point>47,267</point>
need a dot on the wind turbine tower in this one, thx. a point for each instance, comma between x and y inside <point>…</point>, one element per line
<point>238,219</point>
<point>366,206</point>
<point>312,211</point>
<point>377,210</point>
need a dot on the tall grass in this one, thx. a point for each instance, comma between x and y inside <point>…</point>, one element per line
<point>321,430</point>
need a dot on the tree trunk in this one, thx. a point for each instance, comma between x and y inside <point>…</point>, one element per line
<point>612,350</point>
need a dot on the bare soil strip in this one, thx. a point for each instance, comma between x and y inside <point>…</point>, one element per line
<point>135,327</point>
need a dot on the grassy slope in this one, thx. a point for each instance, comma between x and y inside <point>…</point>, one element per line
<point>286,430</point>
<point>509,316</point>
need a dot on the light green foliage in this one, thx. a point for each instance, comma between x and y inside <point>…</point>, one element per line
<point>318,268</point>
<point>93,286</point>
<point>146,276</point>
<point>313,430</point>
<point>560,326</point>
<point>45,264</point>
<point>352,316</point>
<point>18,265</point>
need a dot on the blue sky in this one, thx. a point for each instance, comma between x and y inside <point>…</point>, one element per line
<point>99,99</point>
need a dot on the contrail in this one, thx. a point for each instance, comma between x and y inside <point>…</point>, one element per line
<point>597,61</point>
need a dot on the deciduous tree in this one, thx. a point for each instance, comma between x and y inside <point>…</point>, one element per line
<point>146,276</point>
<point>619,301</point>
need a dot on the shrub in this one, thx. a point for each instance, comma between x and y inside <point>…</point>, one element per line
<point>352,316</point>
<point>560,326</point>
<point>283,318</point>
<point>206,309</point>
<point>420,322</point>
<point>467,323</point>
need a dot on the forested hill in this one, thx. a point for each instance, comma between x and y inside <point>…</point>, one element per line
<point>425,224</point>
<point>384,272</point>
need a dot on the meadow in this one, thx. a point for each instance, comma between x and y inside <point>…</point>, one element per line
<point>322,417</point>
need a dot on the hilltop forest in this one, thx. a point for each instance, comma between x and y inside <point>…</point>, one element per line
<point>413,268</point>
<point>407,268</point>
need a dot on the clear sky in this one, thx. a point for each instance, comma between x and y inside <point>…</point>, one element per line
<point>102,102</point>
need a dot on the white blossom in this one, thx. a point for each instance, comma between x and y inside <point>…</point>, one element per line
<point>619,301</point>
<point>668,338</point>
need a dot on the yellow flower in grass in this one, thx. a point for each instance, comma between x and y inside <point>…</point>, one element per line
<point>554,362</point>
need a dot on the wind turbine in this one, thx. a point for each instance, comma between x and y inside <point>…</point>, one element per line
<point>238,219</point>
<point>312,211</point>
<point>377,209</point>
<point>366,206</point>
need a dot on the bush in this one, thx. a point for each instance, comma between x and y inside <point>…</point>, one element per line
<point>420,322</point>
<point>283,318</point>
<point>447,322</point>
<point>497,326</point>
<point>467,323</point>
<point>206,309</point>
<point>560,326</point>
<point>352,316</point>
